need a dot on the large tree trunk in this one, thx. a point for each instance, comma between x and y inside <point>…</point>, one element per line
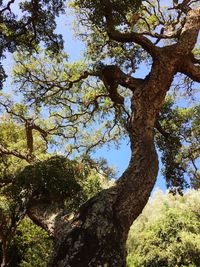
<point>98,233</point>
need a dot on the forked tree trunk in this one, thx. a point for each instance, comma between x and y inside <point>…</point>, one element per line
<point>97,235</point>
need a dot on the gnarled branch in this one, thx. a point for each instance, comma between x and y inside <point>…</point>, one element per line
<point>127,37</point>
<point>5,151</point>
<point>190,69</point>
<point>112,76</point>
<point>189,33</point>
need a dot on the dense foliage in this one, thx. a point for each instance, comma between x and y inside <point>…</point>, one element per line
<point>56,180</point>
<point>179,144</point>
<point>167,233</point>
<point>30,247</point>
<point>26,24</point>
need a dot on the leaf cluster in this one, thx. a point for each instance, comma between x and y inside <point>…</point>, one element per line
<point>34,22</point>
<point>53,179</point>
<point>94,12</point>
<point>167,232</point>
<point>179,145</point>
<point>30,247</point>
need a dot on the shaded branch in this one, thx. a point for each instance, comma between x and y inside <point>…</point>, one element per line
<point>5,181</point>
<point>160,129</point>
<point>126,37</point>
<point>190,69</point>
<point>112,76</point>
<point>5,151</point>
<point>189,33</point>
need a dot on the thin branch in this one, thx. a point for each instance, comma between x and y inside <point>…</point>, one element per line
<point>5,151</point>
<point>128,37</point>
<point>7,7</point>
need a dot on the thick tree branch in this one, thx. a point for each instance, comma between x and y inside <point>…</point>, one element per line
<point>189,33</point>
<point>190,69</point>
<point>131,37</point>
<point>112,76</point>
<point>126,37</point>
<point>48,214</point>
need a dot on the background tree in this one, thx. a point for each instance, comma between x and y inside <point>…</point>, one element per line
<point>178,140</point>
<point>26,24</point>
<point>167,232</point>
<point>39,185</point>
<point>30,247</point>
<point>16,151</point>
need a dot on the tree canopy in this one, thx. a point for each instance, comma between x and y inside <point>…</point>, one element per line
<point>26,24</point>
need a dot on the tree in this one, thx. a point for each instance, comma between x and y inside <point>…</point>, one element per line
<point>167,232</point>
<point>49,192</point>
<point>46,187</point>
<point>179,144</point>
<point>17,146</point>
<point>30,247</point>
<point>97,234</point>
<point>35,23</point>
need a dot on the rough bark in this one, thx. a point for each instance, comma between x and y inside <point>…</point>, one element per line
<point>49,217</point>
<point>95,237</point>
